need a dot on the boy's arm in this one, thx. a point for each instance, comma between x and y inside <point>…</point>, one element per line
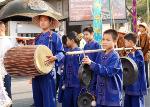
<point>139,58</point>
<point>109,70</point>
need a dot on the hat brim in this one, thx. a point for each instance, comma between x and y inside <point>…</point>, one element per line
<point>144,25</point>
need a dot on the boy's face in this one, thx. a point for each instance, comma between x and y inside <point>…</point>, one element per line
<point>69,42</point>
<point>44,22</point>
<point>108,42</point>
<point>129,43</point>
<point>88,36</point>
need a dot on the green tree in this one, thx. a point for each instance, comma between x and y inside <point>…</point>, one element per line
<point>141,8</point>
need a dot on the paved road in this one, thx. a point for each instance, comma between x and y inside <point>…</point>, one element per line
<point>22,94</point>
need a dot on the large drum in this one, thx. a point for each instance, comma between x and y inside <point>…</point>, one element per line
<point>28,60</point>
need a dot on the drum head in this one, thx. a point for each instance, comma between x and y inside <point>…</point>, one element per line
<point>130,71</point>
<point>40,57</point>
<point>85,100</point>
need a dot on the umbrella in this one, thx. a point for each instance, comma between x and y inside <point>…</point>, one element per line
<point>24,9</point>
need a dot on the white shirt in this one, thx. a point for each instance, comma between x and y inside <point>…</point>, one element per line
<point>82,43</point>
<point>5,44</point>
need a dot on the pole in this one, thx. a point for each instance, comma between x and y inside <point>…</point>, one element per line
<point>97,50</point>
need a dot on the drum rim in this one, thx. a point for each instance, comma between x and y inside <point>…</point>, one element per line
<point>36,66</point>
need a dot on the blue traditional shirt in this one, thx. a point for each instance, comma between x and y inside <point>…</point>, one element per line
<point>108,69</point>
<point>71,67</point>
<point>53,42</point>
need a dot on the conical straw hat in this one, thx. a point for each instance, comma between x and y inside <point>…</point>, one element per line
<point>54,16</point>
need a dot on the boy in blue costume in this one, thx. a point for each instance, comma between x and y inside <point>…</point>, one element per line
<point>91,45</point>
<point>108,69</point>
<point>71,83</point>
<point>44,93</point>
<point>134,93</point>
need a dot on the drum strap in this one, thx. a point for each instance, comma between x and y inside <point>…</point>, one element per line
<point>50,40</point>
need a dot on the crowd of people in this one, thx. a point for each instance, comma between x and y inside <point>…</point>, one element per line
<point>107,82</point>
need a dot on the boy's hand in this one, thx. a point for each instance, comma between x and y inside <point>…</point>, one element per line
<point>86,60</point>
<point>50,59</point>
<point>133,49</point>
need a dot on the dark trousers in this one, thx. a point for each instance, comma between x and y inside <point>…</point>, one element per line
<point>70,97</point>
<point>44,91</point>
<point>134,101</point>
<point>146,71</point>
<point>7,84</point>
<point>57,81</point>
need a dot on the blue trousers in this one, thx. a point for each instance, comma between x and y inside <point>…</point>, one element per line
<point>134,101</point>
<point>70,97</point>
<point>7,84</point>
<point>44,93</point>
<point>146,71</point>
<point>106,106</point>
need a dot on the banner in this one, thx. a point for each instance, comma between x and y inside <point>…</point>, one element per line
<point>97,20</point>
<point>81,10</point>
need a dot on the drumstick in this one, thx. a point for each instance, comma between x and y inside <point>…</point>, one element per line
<point>97,50</point>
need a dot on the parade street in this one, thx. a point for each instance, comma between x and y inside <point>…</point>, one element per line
<point>22,93</point>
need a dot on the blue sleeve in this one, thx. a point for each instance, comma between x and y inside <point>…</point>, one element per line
<point>59,49</point>
<point>139,58</point>
<point>109,70</point>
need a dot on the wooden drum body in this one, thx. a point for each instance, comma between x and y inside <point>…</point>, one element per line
<point>28,60</point>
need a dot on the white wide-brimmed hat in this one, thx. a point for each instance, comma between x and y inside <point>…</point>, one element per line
<point>144,25</point>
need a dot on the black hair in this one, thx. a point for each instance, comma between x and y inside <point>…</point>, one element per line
<point>113,33</point>
<point>50,18</point>
<point>88,29</point>
<point>74,36</point>
<point>132,37</point>
<point>64,39</point>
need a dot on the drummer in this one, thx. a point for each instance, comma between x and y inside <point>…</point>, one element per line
<point>134,93</point>
<point>44,93</point>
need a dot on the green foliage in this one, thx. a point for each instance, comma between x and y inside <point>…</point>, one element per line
<point>141,8</point>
